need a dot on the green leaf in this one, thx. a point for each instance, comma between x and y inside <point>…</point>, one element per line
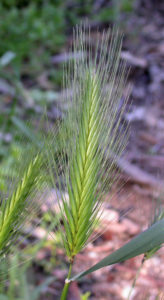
<point>144,242</point>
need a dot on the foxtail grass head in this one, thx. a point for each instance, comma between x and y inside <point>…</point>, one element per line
<point>19,203</point>
<point>92,134</point>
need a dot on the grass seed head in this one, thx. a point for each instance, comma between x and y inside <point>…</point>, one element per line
<point>92,135</point>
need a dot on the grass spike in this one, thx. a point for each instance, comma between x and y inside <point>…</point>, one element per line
<point>92,135</point>
<point>14,207</point>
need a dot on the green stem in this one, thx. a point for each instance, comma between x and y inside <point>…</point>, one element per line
<point>136,277</point>
<point>67,284</point>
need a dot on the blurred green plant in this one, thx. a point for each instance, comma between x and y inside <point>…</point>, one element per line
<point>23,189</point>
<point>15,273</point>
<point>115,11</point>
<point>34,30</point>
<point>100,11</point>
<point>21,139</point>
<point>85,296</point>
<point>31,32</point>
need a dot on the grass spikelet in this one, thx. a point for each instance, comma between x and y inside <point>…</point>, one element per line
<point>14,209</point>
<point>91,136</point>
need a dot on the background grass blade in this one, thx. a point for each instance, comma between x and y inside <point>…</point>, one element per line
<point>16,207</point>
<point>144,242</point>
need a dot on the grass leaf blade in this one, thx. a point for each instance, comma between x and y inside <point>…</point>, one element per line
<point>144,242</point>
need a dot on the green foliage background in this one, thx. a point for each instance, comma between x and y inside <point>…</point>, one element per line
<point>41,26</point>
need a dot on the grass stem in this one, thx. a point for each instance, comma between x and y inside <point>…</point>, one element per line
<point>136,277</point>
<point>67,284</point>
